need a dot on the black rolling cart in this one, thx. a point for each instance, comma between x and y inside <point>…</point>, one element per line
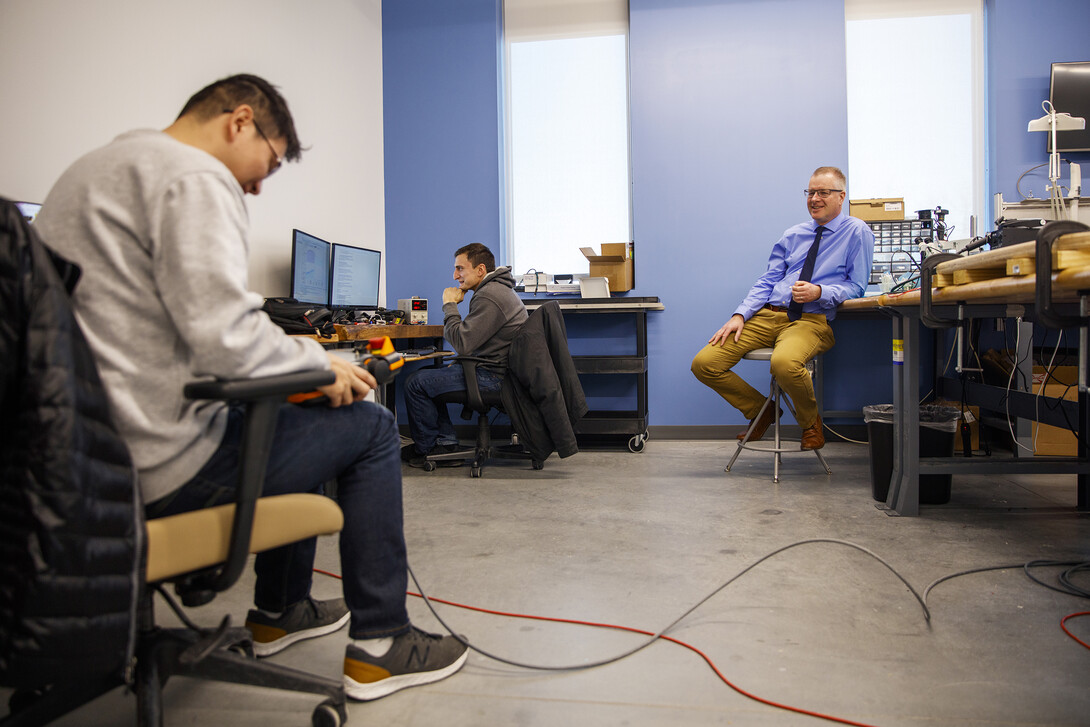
<point>606,423</point>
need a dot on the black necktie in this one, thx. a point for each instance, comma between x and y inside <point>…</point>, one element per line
<point>794,311</point>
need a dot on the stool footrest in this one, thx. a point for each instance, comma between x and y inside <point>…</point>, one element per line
<point>756,446</point>
<point>770,447</point>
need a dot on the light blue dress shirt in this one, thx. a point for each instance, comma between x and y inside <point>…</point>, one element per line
<point>842,268</point>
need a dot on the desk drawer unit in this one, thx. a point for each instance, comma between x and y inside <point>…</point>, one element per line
<point>897,246</point>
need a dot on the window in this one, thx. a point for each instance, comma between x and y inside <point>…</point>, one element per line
<point>915,106</point>
<point>567,131</point>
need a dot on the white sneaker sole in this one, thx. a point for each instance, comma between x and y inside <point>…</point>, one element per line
<point>274,647</point>
<point>389,685</point>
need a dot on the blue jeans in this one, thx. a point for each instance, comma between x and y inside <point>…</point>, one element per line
<point>356,445</point>
<point>429,420</point>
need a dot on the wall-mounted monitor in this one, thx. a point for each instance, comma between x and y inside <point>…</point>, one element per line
<point>309,268</point>
<point>1069,93</point>
<point>354,277</point>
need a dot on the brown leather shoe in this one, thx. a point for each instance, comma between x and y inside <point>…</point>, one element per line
<point>813,437</point>
<point>764,421</point>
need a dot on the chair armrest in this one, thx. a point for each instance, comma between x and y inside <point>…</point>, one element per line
<point>262,397</point>
<point>250,389</point>
<point>473,390</point>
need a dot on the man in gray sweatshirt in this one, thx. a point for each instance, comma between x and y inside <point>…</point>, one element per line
<point>495,315</point>
<point>158,223</point>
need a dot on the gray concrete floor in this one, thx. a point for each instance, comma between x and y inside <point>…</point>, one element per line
<point>638,539</point>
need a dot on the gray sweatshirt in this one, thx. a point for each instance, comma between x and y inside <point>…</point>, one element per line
<point>160,230</point>
<point>495,315</point>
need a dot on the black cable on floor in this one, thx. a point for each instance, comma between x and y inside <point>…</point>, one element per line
<point>1068,589</point>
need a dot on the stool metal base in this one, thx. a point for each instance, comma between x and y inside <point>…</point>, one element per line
<point>773,399</point>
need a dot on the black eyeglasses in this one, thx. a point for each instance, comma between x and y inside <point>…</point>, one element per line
<point>279,161</point>
<point>819,193</point>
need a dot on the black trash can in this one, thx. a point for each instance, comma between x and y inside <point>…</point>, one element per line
<point>938,430</point>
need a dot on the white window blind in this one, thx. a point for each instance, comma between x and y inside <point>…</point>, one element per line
<point>567,131</point>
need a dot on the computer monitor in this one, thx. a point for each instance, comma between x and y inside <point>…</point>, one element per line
<point>29,210</point>
<point>1069,93</point>
<point>354,277</point>
<point>309,268</point>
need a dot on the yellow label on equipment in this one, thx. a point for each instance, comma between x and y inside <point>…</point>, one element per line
<point>898,351</point>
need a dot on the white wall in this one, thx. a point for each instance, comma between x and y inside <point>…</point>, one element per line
<point>74,74</point>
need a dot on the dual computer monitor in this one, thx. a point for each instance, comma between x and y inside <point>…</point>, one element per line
<point>334,275</point>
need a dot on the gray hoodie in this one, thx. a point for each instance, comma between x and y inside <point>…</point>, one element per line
<point>495,315</point>
<point>161,232</point>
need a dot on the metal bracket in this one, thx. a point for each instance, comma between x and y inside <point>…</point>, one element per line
<point>927,269</point>
<point>1045,312</point>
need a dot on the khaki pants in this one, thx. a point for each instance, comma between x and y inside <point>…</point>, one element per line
<point>795,343</point>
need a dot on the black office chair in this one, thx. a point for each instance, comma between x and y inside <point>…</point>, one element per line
<point>78,621</point>
<point>474,401</point>
<point>541,394</point>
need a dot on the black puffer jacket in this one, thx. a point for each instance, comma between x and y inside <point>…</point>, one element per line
<point>71,533</point>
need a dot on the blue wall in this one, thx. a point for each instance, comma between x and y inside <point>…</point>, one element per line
<point>734,103</point>
<point>733,106</point>
<point>441,117</point>
<point>1024,38</point>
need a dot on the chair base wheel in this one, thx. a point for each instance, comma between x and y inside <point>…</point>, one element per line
<point>328,714</point>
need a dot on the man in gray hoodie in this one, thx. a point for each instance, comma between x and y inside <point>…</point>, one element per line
<point>495,315</point>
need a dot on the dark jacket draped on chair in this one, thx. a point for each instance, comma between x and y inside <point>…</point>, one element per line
<point>541,391</point>
<point>70,525</point>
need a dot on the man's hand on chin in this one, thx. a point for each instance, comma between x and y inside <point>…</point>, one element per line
<point>453,295</point>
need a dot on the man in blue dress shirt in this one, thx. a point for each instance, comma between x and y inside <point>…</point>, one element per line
<point>789,308</point>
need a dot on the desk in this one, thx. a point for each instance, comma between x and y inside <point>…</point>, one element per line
<point>1002,297</point>
<point>632,423</point>
<point>346,335</point>
<point>396,333</point>
<point>353,335</point>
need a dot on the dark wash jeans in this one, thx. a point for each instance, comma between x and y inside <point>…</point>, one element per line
<point>429,420</point>
<point>356,445</point>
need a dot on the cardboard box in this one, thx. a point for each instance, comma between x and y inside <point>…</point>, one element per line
<point>876,210</point>
<point>614,263</point>
<point>1056,441</point>
<point>1061,375</point>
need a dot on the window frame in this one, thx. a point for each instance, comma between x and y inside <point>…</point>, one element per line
<point>600,21</point>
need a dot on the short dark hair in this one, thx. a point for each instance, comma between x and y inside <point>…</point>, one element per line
<point>477,254</point>
<point>270,109</point>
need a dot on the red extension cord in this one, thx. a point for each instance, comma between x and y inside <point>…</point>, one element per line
<point>679,642</point>
<point>630,629</point>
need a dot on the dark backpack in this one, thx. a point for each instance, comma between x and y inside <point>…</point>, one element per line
<point>295,317</point>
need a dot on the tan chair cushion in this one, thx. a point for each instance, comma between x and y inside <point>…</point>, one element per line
<point>188,542</point>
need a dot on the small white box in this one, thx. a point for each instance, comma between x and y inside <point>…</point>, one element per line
<point>594,288</point>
